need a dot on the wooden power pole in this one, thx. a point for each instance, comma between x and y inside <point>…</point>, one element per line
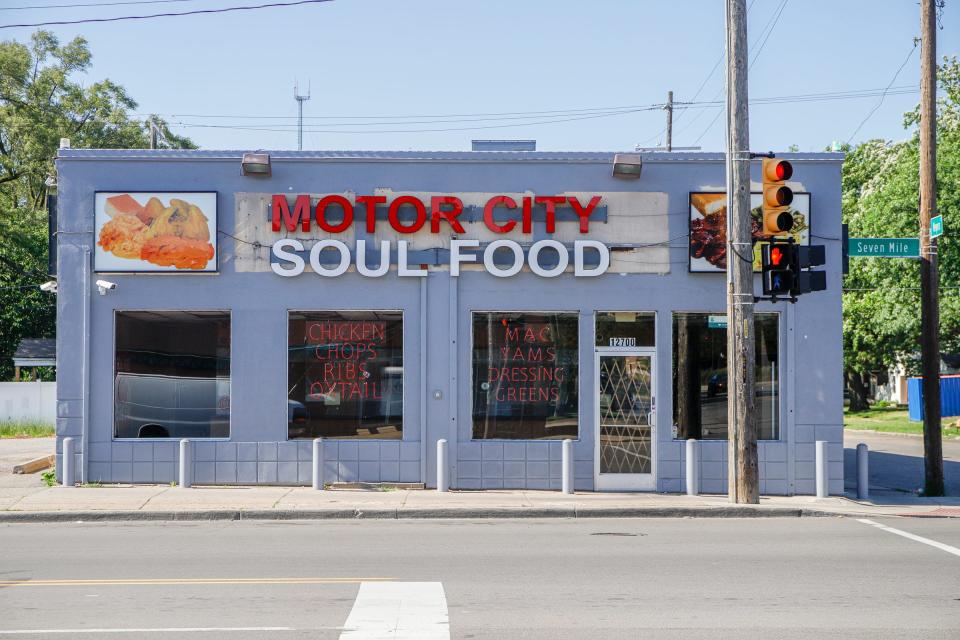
<point>669,109</point>
<point>929,278</point>
<point>742,475</point>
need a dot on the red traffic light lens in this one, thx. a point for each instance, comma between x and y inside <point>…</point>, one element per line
<point>776,256</point>
<point>783,170</point>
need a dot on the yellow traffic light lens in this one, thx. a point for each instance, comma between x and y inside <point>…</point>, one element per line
<point>777,196</point>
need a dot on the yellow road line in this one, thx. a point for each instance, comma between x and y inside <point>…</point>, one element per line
<point>181,581</point>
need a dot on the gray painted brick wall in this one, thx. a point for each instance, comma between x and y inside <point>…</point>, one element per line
<point>257,450</point>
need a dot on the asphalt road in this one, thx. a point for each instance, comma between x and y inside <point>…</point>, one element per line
<point>557,579</point>
<point>896,462</point>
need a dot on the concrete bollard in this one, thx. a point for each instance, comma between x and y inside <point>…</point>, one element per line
<point>443,471</point>
<point>186,463</point>
<point>318,464</point>
<point>567,483</point>
<point>822,470</point>
<point>863,472</point>
<point>693,467</point>
<point>68,462</point>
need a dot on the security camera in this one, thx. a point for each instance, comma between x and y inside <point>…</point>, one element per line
<point>104,286</point>
<point>50,286</point>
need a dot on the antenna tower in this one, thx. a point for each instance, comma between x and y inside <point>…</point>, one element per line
<point>300,100</point>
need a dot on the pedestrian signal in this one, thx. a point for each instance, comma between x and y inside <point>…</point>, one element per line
<point>776,262</point>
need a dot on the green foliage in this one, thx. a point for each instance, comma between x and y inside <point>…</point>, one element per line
<point>881,303</point>
<point>41,101</point>
<point>49,477</point>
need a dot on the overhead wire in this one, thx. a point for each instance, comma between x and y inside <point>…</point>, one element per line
<point>174,14</point>
<point>884,95</point>
<point>600,112</point>
<point>716,65</point>
<point>768,28</point>
<point>90,4</point>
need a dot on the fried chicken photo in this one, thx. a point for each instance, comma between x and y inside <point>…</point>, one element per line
<point>123,236</point>
<point>182,253</point>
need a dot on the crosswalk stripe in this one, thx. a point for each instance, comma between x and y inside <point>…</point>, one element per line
<point>933,543</point>
<point>398,611</point>
<point>25,632</point>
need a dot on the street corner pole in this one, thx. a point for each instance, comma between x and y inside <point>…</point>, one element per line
<point>929,278</point>
<point>742,474</point>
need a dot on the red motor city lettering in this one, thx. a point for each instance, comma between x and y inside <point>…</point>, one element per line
<point>445,207</point>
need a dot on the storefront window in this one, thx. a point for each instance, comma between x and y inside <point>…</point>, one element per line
<point>345,374</point>
<point>625,329</point>
<point>172,374</point>
<point>700,376</point>
<point>525,373</point>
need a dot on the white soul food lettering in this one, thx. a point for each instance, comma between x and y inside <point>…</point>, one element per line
<point>290,263</point>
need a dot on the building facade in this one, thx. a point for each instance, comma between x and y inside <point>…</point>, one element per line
<point>503,301</point>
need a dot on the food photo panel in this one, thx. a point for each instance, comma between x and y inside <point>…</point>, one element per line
<point>708,229</point>
<point>146,231</point>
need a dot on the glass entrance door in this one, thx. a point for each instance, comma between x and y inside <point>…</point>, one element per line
<point>626,421</point>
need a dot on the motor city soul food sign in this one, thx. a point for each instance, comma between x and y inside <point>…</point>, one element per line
<point>336,214</point>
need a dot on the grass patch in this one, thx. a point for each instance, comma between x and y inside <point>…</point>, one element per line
<point>891,420</point>
<point>26,429</point>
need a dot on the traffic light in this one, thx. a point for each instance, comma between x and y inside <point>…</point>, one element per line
<point>785,268</point>
<point>777,260</point>
<point>777,196</point>
<point>808,281</point>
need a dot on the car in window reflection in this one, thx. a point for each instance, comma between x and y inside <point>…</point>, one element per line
<point>716,384</point>
<point>157,406</point>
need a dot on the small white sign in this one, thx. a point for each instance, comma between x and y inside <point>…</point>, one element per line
<point>623,342</point>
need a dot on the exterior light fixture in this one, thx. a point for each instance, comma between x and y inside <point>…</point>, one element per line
<point>256,164</point>
<point>627,165</point>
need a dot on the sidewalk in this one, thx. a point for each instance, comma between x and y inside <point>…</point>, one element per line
<point>163,502</point>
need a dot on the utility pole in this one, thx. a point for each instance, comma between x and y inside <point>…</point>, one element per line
<point>742,476</point>
<point>300,100</point>
<point>669,109</point>
<point>929,278</point>
<point>153,132</point>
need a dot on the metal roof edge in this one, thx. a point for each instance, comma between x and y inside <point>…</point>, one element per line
<point>571,157</point>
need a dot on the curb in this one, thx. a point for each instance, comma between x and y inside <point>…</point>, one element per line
<point>409,514</point>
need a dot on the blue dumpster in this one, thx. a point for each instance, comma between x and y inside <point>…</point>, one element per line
<point>949,397</point>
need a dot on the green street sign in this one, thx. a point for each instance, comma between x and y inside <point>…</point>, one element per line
<point>883,247</point>
<point>936,227</point>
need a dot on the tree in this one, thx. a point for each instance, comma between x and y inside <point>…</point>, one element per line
<point>41,101</point>
<point>881,302</point>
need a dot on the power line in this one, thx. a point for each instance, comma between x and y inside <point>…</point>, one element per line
<point>89,4</point>
<point>561,115</point>
<point>716,66</point>
<point>884,95</point>
<point>776,19</point>
<point>496,126</point>
<point>768,28</point>
<point>558,112</point>
<point>166,15</point>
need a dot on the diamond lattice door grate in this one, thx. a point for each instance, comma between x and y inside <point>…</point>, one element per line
<point>625,429</point>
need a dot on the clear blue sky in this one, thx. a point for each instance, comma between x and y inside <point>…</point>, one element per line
<point>432,58</point>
